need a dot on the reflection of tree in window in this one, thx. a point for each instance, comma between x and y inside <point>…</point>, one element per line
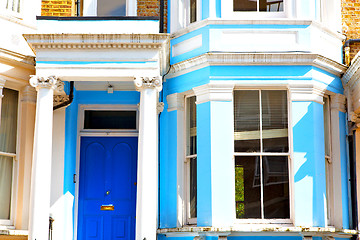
<point>261,150</point>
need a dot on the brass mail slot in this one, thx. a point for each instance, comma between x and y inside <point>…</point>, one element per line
<point>109,207</point>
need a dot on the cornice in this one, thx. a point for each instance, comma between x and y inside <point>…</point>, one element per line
<point>216,91</point>
<point>231,59</point>
<point>313,92</point>
<point>352,74</point>
<point>17,58</point>
<point>96,41</point>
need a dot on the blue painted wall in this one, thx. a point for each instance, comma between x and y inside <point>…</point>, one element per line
<point>309,164</point>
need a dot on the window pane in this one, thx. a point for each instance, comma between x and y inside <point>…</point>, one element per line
<point>191,108</point>
<point>247,187</point>
<point>276,187</point>
<point>247,121</point>
<point>271,5</point>
<point>274,121</point>
<point>110,119</point>
<point>193,187</point>
<point>327,126</point>
<point>6,168</point>
<point>8,122</point>
<point>192,11</point>
<point>111,8</point>
<point>245,5</point>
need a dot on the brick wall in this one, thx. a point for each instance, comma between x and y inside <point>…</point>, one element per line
<point>60,8</point>
<point>351,23</point>
<point>152,8</point>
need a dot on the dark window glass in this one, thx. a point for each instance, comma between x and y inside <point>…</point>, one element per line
<point>111,8</point>
<point>193,11</point>
<point>110,119</point>
<point>258,5</point>
<point>276,187</point>
<point>193,188</point>
<point>192,126</point>
<point>247,187</point>
<point>247,121</point>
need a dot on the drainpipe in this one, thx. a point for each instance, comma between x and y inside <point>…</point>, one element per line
<point>161,16</point>
<point>71,97</point>
<point>347,49</point>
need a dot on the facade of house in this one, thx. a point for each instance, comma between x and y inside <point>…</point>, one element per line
<point>232,125</point>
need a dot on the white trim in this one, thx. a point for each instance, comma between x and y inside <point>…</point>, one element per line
<point>175,101</point>
<point>250,59</point>
<point>215,91</point>
<point>105,133</point>
<point>307,92</point>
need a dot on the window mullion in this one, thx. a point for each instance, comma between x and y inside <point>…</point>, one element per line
<point>261,161</point>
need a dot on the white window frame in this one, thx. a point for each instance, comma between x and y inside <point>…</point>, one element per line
<point>188,220</point>
<point>90,8</point>
<point>228,12</point>
<point>261,154</point>
<point>180,14</point>
<point>14,185</point>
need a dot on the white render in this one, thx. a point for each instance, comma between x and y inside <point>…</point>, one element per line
<point>147,170</point>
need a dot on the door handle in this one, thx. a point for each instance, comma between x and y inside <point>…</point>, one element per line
<point>108,207</point>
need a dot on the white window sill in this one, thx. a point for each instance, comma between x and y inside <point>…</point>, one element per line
<point>10,231</point>
<point>239,229</point>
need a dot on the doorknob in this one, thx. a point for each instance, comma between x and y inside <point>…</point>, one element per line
<point>107,192</point>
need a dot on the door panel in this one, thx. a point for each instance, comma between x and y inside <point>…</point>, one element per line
<point>107,178</point>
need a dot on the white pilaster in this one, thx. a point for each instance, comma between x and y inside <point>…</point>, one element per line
<point>337,102</point>
<point>147,173</point>
<point>41,166</point>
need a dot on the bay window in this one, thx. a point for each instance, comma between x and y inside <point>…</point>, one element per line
<point>8,133</point>
<point>261,144</point>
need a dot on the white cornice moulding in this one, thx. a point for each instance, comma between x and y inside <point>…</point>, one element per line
<point>17,59</point>
<point>249,59</point>
<point>214,92</point>
<point>97,41</point>
<point>175,101</point>
<point>337,102</point>
<point>310,92</point>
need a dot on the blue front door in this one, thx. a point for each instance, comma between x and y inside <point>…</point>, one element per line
<point>107,190</point>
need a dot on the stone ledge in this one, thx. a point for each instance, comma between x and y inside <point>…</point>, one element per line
<point>242,229</point>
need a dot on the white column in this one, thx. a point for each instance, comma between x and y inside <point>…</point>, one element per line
<point>41,166</point>
<point>147,173</point>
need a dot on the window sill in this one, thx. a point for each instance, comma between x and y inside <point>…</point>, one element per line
<point>239,229</point>
<point>10,231</point>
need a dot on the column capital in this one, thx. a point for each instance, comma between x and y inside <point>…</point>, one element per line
<point>53,82</point>
<point>337,102</point>
<point>217,91</point>
<point>28,94</point>
<point>175,101</point>
<point>354,117</point>
<point>154,82</point>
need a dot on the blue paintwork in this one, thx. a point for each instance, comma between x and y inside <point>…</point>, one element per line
<point>309,164</point>
<point>265,238</point>
<point>344,170</point>
<point>107,164</point>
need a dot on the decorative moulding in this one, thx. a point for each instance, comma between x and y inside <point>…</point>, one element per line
<point>338,102</point>
<point>28,94</point>
<point>148,82</point>
<point>312,92</point>
<point>217,91</point>
<point>352,75</point>
<point>96,41</point>
<point>175,101</point>
<point>17,59</point>
<point>247,59</point>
